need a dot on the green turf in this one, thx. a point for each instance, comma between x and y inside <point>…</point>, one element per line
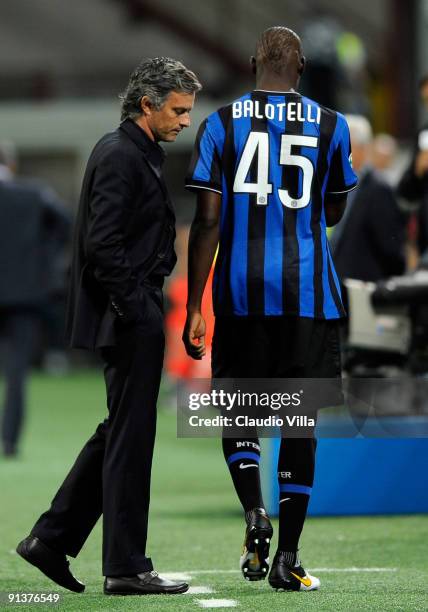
<point>195,522</point>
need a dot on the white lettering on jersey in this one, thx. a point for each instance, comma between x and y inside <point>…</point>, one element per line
<point>291,111</point>
<point>281,109</point>
<point>248,110</point>
<point>237,110</point>
<point>257,113</point>
<point>270,111</point>
<point>294,111</point>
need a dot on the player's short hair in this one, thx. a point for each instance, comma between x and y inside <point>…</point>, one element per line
<point>360,128</point>
<point>273,45</point>
<point>156,78</point>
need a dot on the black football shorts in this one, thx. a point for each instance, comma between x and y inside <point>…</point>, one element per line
<point>276,347</point>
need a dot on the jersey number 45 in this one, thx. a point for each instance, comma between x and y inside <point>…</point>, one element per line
<point>259,142</point>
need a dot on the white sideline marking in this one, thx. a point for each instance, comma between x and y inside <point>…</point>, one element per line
<point>199,590</point>
<point>178,575</point>
<point>190,573</point>
<point>217,603</point>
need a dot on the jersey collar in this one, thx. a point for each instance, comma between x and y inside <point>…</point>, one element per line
<point>289,91</point>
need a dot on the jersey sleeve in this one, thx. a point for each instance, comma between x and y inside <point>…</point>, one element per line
<point>342,177</point>
<point>205,165</point>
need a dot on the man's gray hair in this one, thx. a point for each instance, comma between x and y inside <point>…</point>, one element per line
<point>360,129</point>
<point>156,78</point>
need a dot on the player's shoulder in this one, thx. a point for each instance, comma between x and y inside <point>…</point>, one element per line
<point>330,112</point>
<point>217,122</point>
<point>225,112</point>
<point>244,96</point>
<point>336,120</point>
<point>222,116</point>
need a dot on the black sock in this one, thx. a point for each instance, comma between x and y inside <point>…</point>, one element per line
<point>296,465</point>
<point>242,458</point>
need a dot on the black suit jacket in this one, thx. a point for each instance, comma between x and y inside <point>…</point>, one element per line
<point>124,234</point>
<point>371,243</point>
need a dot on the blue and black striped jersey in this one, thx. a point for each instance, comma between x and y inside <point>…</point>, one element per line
<point>274,156</point>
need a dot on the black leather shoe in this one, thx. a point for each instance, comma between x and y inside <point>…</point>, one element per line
<point>148,583</point>
<point>54,565</point>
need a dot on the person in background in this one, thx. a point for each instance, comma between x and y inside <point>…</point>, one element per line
<point>384,156</point>
<point>368,244</point>
<point>30,219</point>
<point>413,185</point>
<point>53,353</point>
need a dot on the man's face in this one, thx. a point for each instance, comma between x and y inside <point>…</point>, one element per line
<point>167,122</point>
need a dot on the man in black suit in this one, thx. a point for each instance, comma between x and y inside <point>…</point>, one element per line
<point>368,243</point>
<point>33,227</point>
<point>413,185</point>
<point>123,249</point>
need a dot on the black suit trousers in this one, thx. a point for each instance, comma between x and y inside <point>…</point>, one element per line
<point>111,475</point>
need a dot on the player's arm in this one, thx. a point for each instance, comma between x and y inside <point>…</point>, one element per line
<point>342,179</point>
<point>334,207</point>
<point>203,241</point>
<point>205,178</point>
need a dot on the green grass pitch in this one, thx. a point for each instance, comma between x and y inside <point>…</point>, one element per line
<point>196,526</point>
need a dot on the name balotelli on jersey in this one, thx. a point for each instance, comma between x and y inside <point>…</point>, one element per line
<point>280,111</point>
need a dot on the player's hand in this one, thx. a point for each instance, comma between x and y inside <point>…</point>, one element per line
<point>421,164</point>
<point>194,335</point>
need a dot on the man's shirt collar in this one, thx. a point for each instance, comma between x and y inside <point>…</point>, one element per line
<point>152,150</point>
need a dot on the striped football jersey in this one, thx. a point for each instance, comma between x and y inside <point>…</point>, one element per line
<point>273,157</point>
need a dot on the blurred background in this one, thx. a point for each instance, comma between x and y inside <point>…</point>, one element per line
<point>62,66</point>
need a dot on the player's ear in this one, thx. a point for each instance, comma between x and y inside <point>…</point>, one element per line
<point>253,64</point>
<point>146,105</point>
<point>302,64</point>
